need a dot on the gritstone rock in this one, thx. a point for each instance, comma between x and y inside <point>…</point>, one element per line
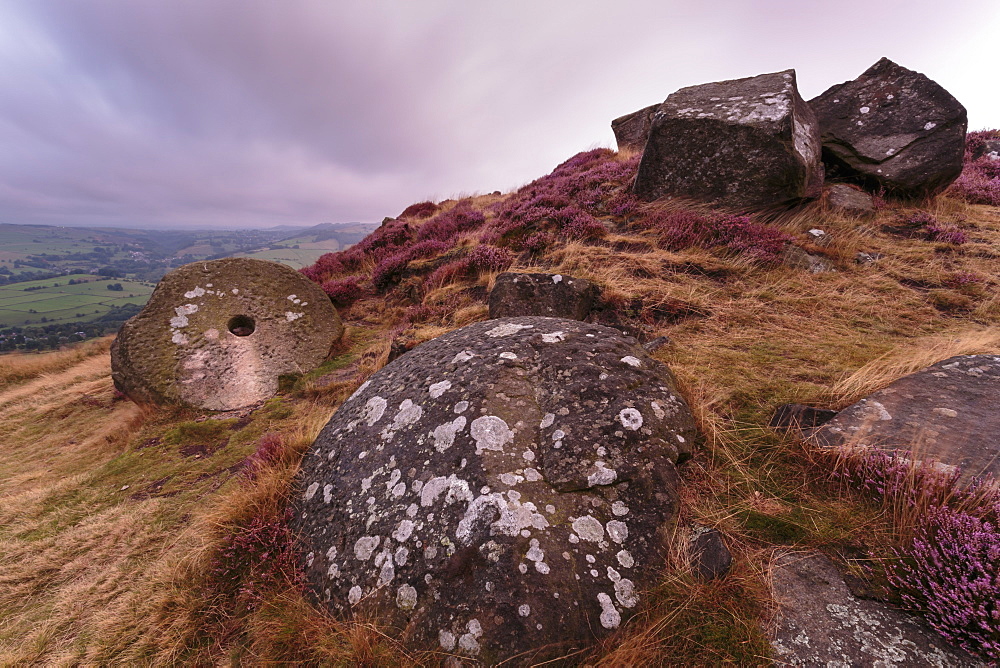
<point>821,624</point>
<point>850,200</point>
<point>218,334</point>
<point>990,148</point>
<point>710,558</point>
<point>632,130</point>
<point>946,412</point>
<point>892,128</point>
<point>747,143</point>
<point>551,295</point>
<point>501,488</point>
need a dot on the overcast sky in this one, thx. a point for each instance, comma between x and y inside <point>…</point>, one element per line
<point>248,113</point>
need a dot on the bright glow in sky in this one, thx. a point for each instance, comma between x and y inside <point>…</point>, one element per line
<point>244,113</point>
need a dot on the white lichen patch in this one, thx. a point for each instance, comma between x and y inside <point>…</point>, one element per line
<point>453,487</point>
<point>617,531</point>
<point>610,617</point>
<point>632,361</point>
<point>374,410</point>
<point>524,610</point>
<point>403,531</point>
<point>506,329</point>
<point>554,337</point>
<point>460,407</point>
<point>589,528</point>
<point>406,597</point>
<point>930,125</point>
<point>444,435</point>
<point>619,509</point>
<point>437,389</point>
<point>365,546</point>
<point>469,642</point>
<point>463,356</point>
<point>547,420</point>
<point>291,316</point>
<point>327,493</point>
<point>625,559</point>
<point>311,491</point>
<point>511,479</point>
<point>532,475</point>
<point>490,433</point>
<point>601,475</point>
<point>408,414</point>
<point>194,294</point>
<point>508,356</point>
<point>179,338</point>
<point>447,640</point>
<point>946,412</point>
<point>630,418</point>
<point>354,595</point>
<point>557,278</point>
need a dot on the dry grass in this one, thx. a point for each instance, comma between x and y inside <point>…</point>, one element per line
<point>20,367</point>
<point>910,357</point>
<point>97,574</point>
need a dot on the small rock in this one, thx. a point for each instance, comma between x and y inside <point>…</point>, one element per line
<point>656,344</point>
<point>550,295</point>
<point>797,258</point>
<point>850,200</point>
<point>866,259</point>
<point>821,624</point>
<point>710,558</point>
<point>798,416</point>
<point>989,148</point>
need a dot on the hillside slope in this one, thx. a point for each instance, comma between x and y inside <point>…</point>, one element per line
<point>132,535</point>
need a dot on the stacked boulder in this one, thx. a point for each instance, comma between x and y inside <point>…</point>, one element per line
<point>500,492</point>
<point>754,143</point>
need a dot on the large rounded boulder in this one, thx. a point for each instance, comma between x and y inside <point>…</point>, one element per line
<point>218,335</point>
<point>500,491</point>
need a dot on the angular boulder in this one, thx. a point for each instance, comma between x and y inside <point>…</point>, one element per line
<point>821,624</point>
<point>947,412</point>
<point>551,295</point>
<point>217,335</point>
<point>892,128</point>
<point>747,144</point>
<point>632,130</point>
<point>500,491</point>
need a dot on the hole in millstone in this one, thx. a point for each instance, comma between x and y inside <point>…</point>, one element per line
<point>241,325</point>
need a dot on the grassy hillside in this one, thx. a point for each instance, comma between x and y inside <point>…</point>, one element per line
<point>135,535</point>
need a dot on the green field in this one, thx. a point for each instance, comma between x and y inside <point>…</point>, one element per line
<point>307,252</point>
<point>57,301</point>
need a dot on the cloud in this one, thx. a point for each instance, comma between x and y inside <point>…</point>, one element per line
<point>246,113</point>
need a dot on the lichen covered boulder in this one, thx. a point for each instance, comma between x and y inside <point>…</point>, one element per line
<point>747,143</point>
<point>893,129</point>
<point>218,334</point>
<point>500,489</point>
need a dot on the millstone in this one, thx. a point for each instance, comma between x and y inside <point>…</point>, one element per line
<point>218,334</point>
<point>500,489</point>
